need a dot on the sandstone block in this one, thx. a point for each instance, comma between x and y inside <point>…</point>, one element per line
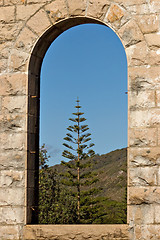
<point>14,104</point>
<point>12,178</point>
<point>9,31</point>
<point>39,22</point>
<point>57,10</point>
<point>18,61</point>
<point>148,23</point>
<point>141,100</point>
<point>137,54</point>
<point>7,14</point>
<point>1,2</point>
<point>26,40</point>
<point>9,232</point>
<point>142,78</point>
<point>23,12</point>
<point>37,1</point>
<point>143,176</point>
<point>153,40</point>
<point>77,7</point>
<point>11,215</point>
<point>142,214</point>
<point>154,6</point>
<point>97,9</point>
<point>157,214</point>
<point>130,33</point>
<point>3,65</point>
<point>153,57</point>
<point>5,49</point>
<point>14,84</point>
<point>146,118</point>
<point>158,98</point>
<point>143,195</point>
<point>115,13</point>
<point>11,141</point>
<point>151,232</point>
<point>12,196</point>
<point>13,123</point>
<point>14,2</point>
<point>12,159</point>
<point>148,156</point>
<point>143,137</point>
<point>138,9</point>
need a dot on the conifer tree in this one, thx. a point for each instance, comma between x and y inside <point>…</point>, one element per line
<point>79,176</point>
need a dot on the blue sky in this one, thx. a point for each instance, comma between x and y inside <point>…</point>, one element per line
<point>89,62</point>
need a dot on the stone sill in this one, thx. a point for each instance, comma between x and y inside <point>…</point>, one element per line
<point>68,232</point>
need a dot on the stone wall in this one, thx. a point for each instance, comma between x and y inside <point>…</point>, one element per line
<point>27,28</point>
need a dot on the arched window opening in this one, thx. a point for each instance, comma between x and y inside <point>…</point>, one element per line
<point>89,62</point>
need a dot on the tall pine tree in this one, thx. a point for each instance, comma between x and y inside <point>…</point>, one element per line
<point>79,176</point>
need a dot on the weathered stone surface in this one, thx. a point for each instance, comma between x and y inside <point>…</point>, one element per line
<point>130,2</point>
<point>142,214</point>
<point>137,54</point>
<point>98,9</point>
<point>12,159</point>
<point>77,7</point>
<point>130,33</point>
<point>37,1</point>
<point>153,57</point>
<point>153,40</point>
<point>143,176</point>
<point>11,141</point>
<point>143,99</point>
<point>145,118</point>
<point>14,84</point>
<point>77,232</point>
<point>25,12</point>
<point>154,6</point>
<point>57,10</point>
<point>39,22</point>
<point>26,40</point>
<point>14,2</point>
<point>11,104</point>
<point>11,215</point>
<point>144,156</point>
<point>148,24</point>
<point>7,14</point>
<point>143,137</point>
<point>3,65</point>
<point>115,13</point>
<point>12,178</point>
<point>139,9</point>
<point>143,195</point>
<point>12,196</point>
<point>9,232</point>
<point>144,78</point>
<point>18,61</point>
<point>9,31</point>
<point>5,48</point>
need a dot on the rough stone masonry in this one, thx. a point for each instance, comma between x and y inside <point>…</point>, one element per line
<point>27,28</point>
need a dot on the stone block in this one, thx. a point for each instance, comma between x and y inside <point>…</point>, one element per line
<point>143,176</point>
<point>3,65</point>
<point>146,118</point>
<point>115,13</point>
<point>14,2</point>
<point>23,12</point>
<point>11,141</point>
<point>12,178</point>
<point>143,137</point>
<point>12,159</point>
<point>26,40</point>
<point>143,195</point>
<point>137,54</point>
<point>157,214</point>
<point>144,156</point>
<point>142,78</point>
<point>9,31</point>
<point>153,57</point>
<point>9,232</point>
<point>14,104</point>
<point>5,48</point>
<point>14,84</point>
<point>12,196</point>
<point>7,14</point>
<point>142,100</point>
<point>130,2</point>
<point>39,22</point>
<point>154,6</point>
<point>13,123</point>
<point>77,7</point>
<point>130,33</point>
<point>148,23</point>
<point>142,214</point>
<point>153,40</point>
<point>37,1</point>
<point>11,215</point>
<point>97,9</point>
<point>57,10</point>
<point>138,9</point>
<point>18,61</point>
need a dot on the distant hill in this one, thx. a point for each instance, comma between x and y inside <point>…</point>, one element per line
<point>111,169</point>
